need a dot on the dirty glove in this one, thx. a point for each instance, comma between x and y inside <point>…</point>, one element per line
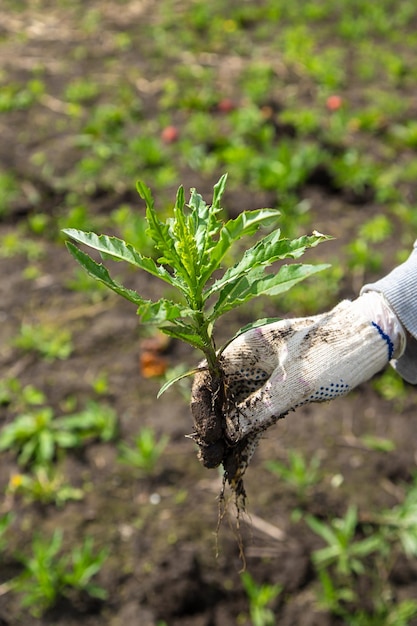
<point>283,365</point>
<point>272,369</point>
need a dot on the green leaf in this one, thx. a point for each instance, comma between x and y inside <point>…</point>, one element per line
<point>156,312</point>
<point>218,191</point>
<point>261,322</point>
<point>161,311</point>
<point>171,381</point>
<point>160,232</point>
<point>206,227</point>
<point>265,252</point>
<point>100,273</point>
<point>256,283</point>
<point>246,223</point>
<point>185,243</point>
<point>118,250</point>
<point>46,446</point>
<point>186,333</point>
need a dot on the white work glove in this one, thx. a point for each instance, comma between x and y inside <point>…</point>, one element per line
<point>272,369</point>
<point>283,365</point>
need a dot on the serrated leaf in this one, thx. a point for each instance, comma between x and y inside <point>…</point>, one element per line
<point>206,227</point>
<point>218,191</point>
<point>186,333</point>
<point>117,249</point>
<point>156,312</point>
<point>158,231</point>
<point>185,243</point>
<point>100,273</point>
<point>255,283</point>
<point>246,223</point>
<point>265,252</point>
<point>161,311</point>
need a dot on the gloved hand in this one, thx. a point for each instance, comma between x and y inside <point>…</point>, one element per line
<point>272,369</point>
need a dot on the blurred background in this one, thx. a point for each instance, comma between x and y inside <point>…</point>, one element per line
<point>106,515</point>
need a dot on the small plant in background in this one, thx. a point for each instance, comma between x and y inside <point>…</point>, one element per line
<point>20,396</point>
<point>37,436</point>
<point>343,550</point>
<point>348,565</point>
<point>399,524</point>
<point>5,521</point>
<point>49,575</point>
<point>391,387</point>
<point>48,340</point>
<point>145,452</point>
<point>46,486</point>
<point>260,598</point>
<point>299,473</point>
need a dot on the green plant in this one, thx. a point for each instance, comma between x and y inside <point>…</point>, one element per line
<point>9,191</point>
<point>192,246</point>
<point>46,485</point>
<point>343,550</point>
<point>46,339</point>
<point>299,473</point>
<point>20,396</point>
<point>391,387</point>
<point>48,575</point>
<point>399,523</point>
<point>14,242</point>
<point>5,521</point>
<point>36,436</point>
<point>146,451</point>
<point>260,596</point>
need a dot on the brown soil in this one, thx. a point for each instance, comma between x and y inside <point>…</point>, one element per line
<point>167,563</point>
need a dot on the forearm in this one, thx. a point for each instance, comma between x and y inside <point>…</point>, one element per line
<point>399,288</point>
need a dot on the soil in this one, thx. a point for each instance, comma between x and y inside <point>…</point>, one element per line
<point>169,562</point>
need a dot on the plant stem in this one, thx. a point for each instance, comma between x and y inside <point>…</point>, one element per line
<point>209,350</point>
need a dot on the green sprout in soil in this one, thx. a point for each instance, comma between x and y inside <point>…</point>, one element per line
<point>49,574</point>
<point>145,452</point>
<point>192,246</point>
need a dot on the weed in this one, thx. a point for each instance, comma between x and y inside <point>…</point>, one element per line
<point>46,339</point>
<point>46,486</point>
<point>342,550</point>
<point>193,244</point>
<point>9,192</point>
<point>5,521</point>
<point>48,575</point>
<point>260,596</point>
<point>300,474</point>
<point>37,435</point>
<point>20,396</point>
<point>146,451</point>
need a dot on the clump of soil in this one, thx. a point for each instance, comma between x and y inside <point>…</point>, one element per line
<point>211,401</point>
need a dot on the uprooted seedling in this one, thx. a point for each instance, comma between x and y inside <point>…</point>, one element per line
<point>193,244</point>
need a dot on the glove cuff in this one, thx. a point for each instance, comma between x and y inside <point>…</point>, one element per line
<point>400,290</point>
<point>376,308</point>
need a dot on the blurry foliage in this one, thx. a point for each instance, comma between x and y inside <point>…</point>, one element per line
<point>275,139</point>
